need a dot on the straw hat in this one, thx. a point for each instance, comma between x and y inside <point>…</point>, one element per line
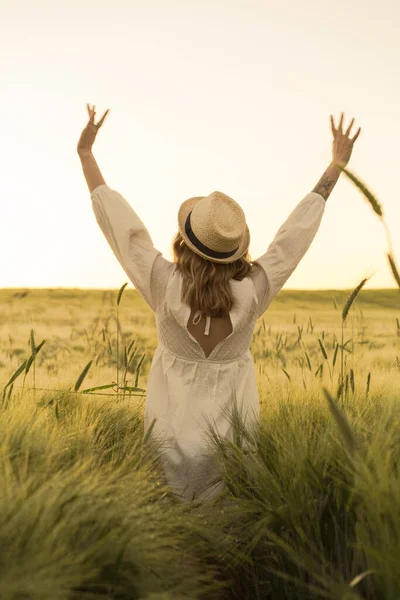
<point>214,227</point>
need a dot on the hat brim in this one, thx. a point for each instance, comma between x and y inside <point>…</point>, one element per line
<point>186,207</point>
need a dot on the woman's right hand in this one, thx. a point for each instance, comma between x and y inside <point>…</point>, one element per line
<point>342,145</point>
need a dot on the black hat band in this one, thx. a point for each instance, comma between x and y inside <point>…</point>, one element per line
<point>197,243</point>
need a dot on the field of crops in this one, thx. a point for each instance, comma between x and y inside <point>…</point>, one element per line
<point>313,512</point>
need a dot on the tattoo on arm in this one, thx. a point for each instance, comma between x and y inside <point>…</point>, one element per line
<point>324,186</point>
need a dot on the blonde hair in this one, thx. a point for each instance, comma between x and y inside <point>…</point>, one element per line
<point>205,283</point>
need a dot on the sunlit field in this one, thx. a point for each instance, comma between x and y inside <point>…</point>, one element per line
<point>312,512</point>
<point>81,325</point>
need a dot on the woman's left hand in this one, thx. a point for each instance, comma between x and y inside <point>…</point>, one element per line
<point>88,135</point>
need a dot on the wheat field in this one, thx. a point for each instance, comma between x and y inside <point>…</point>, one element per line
<point>313,512</point>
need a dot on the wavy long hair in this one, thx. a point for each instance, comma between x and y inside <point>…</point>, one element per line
<point>205,283</point>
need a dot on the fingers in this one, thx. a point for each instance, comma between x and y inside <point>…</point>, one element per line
<point>356,136</point>
<point>340,130</point>
<point>340,123</point>
<point>333,127</point>
<point>349,127</point>
<point>102,118</point>
<point>92,112</point>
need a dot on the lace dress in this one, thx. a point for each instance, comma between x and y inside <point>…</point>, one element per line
<point>185,389</point>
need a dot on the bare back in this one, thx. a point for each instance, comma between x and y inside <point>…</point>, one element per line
<point>220,328</point>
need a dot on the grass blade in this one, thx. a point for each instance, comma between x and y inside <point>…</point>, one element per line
<point>360,577</point>
<point>82,376</point>
<point>342,423</point>
<point>40,346</point>
<point>138,369</point>
<point>98,387</point>
<point>394,269</point>
<point>352,380</point>
<point>363,188</point>
<point>335,354</point>
<point>368,382</point>
<point>131,356</point>
<point>125,357</point>
<point>319,370</point>
<point>33,356</point>
<point>127,388</point>
<point>130,346</point>
<point>10,392</point>
<point>16,374</point>
<point>323,349</point>
<point>28,364</point>
<point>120,293</point>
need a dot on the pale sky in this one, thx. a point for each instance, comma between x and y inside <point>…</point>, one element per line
<point>203,96</point>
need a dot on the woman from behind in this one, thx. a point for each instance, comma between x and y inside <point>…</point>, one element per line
<point>206,305</point>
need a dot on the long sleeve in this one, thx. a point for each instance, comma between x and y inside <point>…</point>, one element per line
<point>288,247</point>
<point>131,244</point>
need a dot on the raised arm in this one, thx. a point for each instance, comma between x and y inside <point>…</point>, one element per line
<point>342,147</point>
<point>295,236</point>
<point>125,232</point>
<point>91,170</point>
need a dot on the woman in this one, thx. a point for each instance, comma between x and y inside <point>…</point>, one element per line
<point>206,305</point>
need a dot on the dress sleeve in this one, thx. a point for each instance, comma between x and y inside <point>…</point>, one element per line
<point>131,244</point>
<point>288,247</point>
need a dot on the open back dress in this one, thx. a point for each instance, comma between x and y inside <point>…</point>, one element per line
<point>185,387</point>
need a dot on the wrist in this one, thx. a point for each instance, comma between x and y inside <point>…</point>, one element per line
<point>338,165</point>
<point>328,180</point>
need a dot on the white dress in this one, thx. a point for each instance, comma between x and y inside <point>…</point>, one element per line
<point>184,386</point>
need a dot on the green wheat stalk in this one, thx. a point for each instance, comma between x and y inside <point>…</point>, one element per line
<point>341,422</point>
<point>118,301</point>
<point>82,376</point>
<point>345,312</point>
<point>352,298</point>
<point>394,269</point>
<point>377,208</point>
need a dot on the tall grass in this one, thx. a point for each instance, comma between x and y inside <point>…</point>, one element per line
<point>316,512</point>
<point>84,512</point>
<point>309,511</point>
